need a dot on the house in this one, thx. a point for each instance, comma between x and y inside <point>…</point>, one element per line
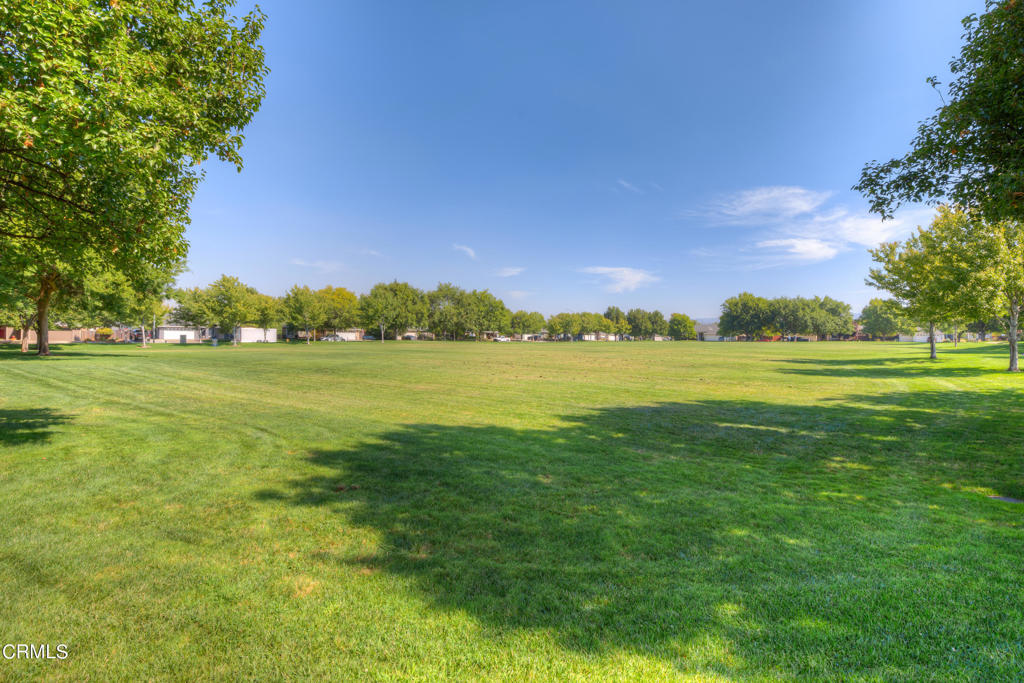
<point>660,337</point>
<point>709,332</point>
<point>245,335</point>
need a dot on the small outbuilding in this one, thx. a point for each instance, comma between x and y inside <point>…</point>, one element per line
<point>174,333</point>
<point>246,335</point>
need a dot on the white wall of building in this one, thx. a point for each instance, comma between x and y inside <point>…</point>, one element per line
<point>174,334</point>
<point>245,335</point>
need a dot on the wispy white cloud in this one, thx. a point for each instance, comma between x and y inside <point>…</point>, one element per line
<point>801,248</point>
<point>797,225</point>
<point>621,279</point>
<point>469,251</point>
<point>510,271</point>
<point>516,294</point>
<point>322,266</point>
<point>625,184</point>
<point>657,187</point>
<point>773,203</point>
<point>370,252</point>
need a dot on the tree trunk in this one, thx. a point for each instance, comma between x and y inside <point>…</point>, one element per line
<point>1014,316</point>
<point>956,335</point>
<point>46,290</point>
<point>142,327</point>
<point>26,327</point>
<point>382,333</point>
<point>931,339</point>
<point>307,336</point>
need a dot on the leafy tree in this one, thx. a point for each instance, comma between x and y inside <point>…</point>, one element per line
<point>745,315</point>
<point>594,323</point>
<point>342,307</point>
<point>932,274</point>
<point>304,308</point>
<point>640,326</point>
<point>485,312</point>
<point>568,324</point>
<point>884,318</point>
<point>830,317</point>
<point>659,326</point>
<point>393,308</point>
<point>446,314</point>
<point>267,312</point>
<point>791,316</point>
<point>17,287</point>
<point>230,303</point>
<point>971,151</point>
<point>620,325</point>
<point>108,110</point>
<point>192,308</point>
<point>115,298</point>
<point>983,327</point>
<point>524,323</point>
<point>681,326</point>
<point>982,269</point>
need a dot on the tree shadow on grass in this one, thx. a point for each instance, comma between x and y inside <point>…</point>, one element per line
<point>902,366</point>
<point>27,425</point>
<point>62,352</point>
<point>735,537</point>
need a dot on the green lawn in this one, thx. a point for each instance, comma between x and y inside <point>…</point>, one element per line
<point>507,511</point>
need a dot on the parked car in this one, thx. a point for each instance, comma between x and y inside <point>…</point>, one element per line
<point>333,338</point>
<point>502,339</point>
<point>369,337</point>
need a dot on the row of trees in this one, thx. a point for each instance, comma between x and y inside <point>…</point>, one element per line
<point>754,316</point>
<point>961,270</point>
<point>389,309</point>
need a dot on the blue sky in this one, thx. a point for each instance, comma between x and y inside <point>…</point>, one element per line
<point>574,155</point>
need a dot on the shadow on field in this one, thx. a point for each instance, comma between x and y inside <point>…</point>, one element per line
<point>12,352</point>
<point>28,425</point>
<point>737,537</point>
<point>903,366</point>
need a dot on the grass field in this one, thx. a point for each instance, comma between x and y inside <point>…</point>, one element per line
<point>506,511</point>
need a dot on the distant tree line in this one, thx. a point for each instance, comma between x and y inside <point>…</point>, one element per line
<point>388,310</point>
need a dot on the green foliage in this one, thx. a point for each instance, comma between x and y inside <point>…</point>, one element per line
<point>304,309</point>
<point>393,308</point>
<point>883,318</point>
<point>641,325</point>
<point>830,317</point>
<point>523,322</point>
<point>659,326</point>
<point>108,110</point>
<point>681,327</point>
<point>267,312</point>
<point>446,314</point>
<point>230,303</point>
<point>342,307</point>
<point>971,151</point>
<point>745,314</point>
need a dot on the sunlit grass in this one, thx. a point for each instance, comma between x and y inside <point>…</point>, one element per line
<point>590,510</point>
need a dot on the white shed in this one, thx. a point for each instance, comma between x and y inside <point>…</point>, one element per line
<point>244,335</point>
<point>176,332</point>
